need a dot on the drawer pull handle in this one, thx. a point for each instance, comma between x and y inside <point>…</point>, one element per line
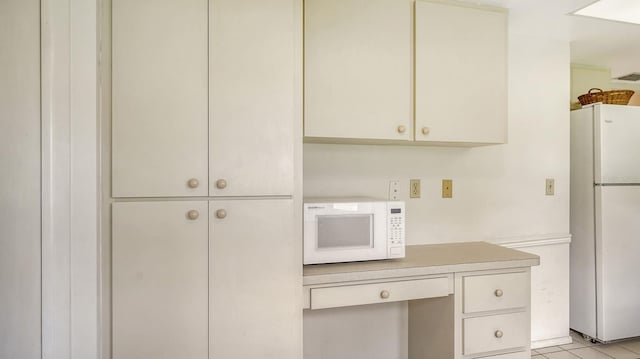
<point>384,294</point>
<point>193,183</point>
<point>401,129</point>
<point>221,213</point>
<point>221,183</point>
<point>425,131</point>
<point>193,214</point>
<point>498,334</point>
<point>498,293</point>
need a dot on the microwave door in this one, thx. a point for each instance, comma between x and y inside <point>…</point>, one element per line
<point>345,237</point>
<point>345,232</point>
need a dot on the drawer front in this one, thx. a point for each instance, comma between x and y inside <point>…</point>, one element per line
<point>495,332</point>
<point>331,297</point>
<point>518,355</point>
<point>495,292</point>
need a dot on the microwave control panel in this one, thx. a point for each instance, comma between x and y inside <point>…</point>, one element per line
<point>396,230</point>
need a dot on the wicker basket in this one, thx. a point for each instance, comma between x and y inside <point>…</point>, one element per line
<point>614,97</point>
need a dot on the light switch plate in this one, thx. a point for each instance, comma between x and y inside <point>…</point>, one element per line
<point>447,188</point>
<point>414,188</point>
<point>550,187</point>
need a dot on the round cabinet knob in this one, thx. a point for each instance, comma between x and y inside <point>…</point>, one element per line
<point>498,334</point>
<point>401,129</point>
<point>193,183</point>
<point>193,214</point>
<point>221,213</point>
<point>221,183</point>
<point>425,130</point>
<point>384,294</point>
<point>498,293</point>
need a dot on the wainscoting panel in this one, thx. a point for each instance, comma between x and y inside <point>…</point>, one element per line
<point>549,287</point>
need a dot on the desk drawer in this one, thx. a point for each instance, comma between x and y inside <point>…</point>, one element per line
<point>495,292</point>
<point>331,297</point>
<point>495,332</point>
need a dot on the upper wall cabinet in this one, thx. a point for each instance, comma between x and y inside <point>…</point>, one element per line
<point>251,99</point>
<point>461,73</point>
<point>159,77</point>
<point>203,98</point>
<point>357,69</point>
<point>370,64</point>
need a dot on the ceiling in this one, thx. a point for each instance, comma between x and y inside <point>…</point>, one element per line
<point>601,43</point>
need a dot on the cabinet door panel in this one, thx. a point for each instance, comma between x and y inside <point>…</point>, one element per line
<point>160,280</point>
<point>159,97</point>
<point>252,97</point>
<point>480,334</point>
<point>255,280</point>
<point>495,292</point>
<point>358,68</point>
<point>461,73</point>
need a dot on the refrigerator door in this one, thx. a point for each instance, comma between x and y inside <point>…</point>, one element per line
<point>617,261</point>
<point>617,144</point>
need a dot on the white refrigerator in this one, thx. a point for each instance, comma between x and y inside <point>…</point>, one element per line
<point>605,221</point>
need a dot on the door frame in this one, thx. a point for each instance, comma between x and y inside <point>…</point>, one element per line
<point>70,179</point>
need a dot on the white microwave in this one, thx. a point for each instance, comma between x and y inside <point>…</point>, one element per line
<point>347,230</point>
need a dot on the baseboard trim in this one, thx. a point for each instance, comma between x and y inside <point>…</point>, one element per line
<point>551,342</point>
<point>536,241</point>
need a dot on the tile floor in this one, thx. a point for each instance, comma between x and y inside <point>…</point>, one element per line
<point>581,348</point>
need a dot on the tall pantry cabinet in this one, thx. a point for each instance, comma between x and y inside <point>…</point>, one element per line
<point>206,258</point>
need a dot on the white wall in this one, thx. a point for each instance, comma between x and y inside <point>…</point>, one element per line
<point>498,191</point>
<point>20,179</point>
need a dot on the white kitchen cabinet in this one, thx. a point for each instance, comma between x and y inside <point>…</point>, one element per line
<point>358,69</point>
<point>370,64</point>
<point>255,278</point>
<point>493,314</point>
<point>160,280</point>
<point>183,288</point>
<point>203,98</point>
<point>159,94</point>
<point>251,98</point>
<point>460,73</point>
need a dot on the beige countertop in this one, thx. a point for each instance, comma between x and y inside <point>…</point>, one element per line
<point>423,260</point>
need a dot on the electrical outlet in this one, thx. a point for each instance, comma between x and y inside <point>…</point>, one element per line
<point>550,187</point>
<point>414,188</point>
<point>447,188</point>
<point>394,190</point>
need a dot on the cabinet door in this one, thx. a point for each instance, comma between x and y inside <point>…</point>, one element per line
<point>159,97</point>
<point>255,280</point>
<point>461,73</point>
<point>357,69</point>
<point>160,280</point>
<point>252,97</point>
